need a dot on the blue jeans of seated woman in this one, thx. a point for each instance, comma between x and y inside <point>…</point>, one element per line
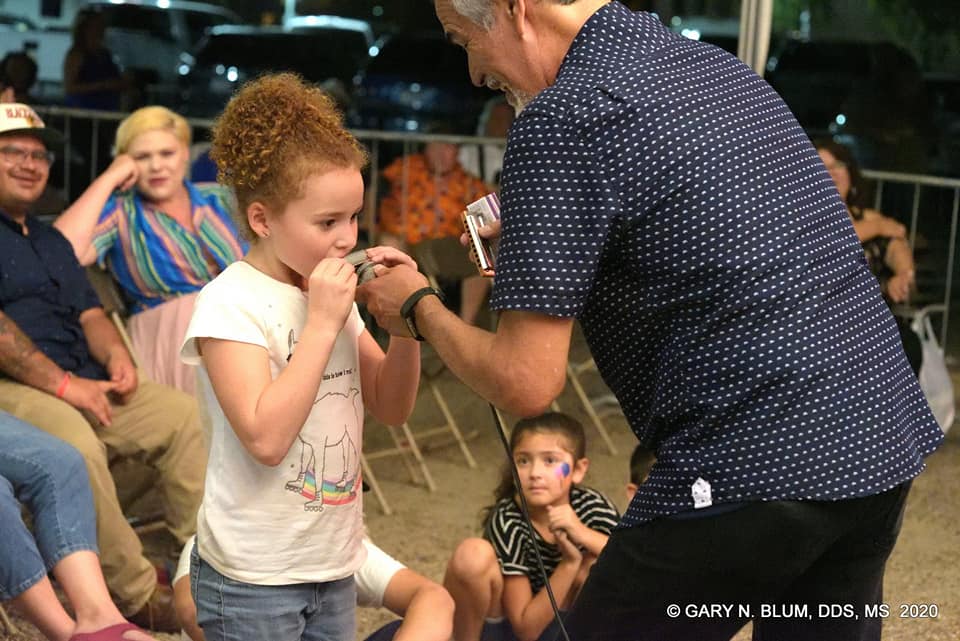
<point>229,610</point>
<point>49,477</point>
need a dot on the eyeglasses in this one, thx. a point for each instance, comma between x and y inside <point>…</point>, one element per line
<point>18,155</point>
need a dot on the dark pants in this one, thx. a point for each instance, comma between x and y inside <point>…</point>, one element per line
<point>802,570</point>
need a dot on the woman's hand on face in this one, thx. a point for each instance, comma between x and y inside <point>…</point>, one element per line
<point>124,172</point>
<point>390,257</point>
<point>331,289</point>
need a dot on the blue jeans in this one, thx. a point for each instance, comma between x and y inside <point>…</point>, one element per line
<point>49,477</point>
<point>229,610</point>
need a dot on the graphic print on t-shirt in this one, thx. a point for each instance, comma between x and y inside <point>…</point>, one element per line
<point>338,477</point>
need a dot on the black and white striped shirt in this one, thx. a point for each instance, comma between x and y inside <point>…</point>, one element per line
<point>508,533</point>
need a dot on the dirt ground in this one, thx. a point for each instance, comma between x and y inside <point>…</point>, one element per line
<point>425,526</point>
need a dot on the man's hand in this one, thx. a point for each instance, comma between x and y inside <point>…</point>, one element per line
<point>389,256</point>
<point>488,231</point>
<point>90,397</point>
<point>385,295</point>
<point>122,372</point>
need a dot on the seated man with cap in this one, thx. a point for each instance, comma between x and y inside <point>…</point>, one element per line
<point>65,369</point>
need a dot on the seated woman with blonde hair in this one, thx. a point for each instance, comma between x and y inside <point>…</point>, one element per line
<point>162,237</point>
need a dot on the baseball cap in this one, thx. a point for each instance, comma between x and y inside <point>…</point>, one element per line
<point>18,118</point>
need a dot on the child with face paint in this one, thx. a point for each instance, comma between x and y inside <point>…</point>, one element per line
<point>495,581</point>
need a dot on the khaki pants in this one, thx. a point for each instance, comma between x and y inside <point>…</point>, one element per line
<point>159,427</point>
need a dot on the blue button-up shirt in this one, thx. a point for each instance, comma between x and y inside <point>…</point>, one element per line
<point>663,194</point>
<point>43,289</point>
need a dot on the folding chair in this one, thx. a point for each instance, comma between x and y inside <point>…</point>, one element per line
<point>115,308</point>
<point>574,370</point>
<point>7,623</point>
<point>435,257</point>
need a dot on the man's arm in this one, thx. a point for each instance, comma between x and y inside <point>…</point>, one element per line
<point>426,608</point>
<point>521,368</point>
<point>22,361</point>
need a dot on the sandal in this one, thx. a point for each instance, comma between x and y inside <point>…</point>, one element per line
<point>110,633</point>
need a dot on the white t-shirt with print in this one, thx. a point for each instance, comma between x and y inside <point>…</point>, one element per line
<point>301,521</point>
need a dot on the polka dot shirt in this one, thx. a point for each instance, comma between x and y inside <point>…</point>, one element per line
<point>663,194</point>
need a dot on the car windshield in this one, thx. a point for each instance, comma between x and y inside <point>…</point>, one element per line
<point>317,55</point>
<point>432,60</point>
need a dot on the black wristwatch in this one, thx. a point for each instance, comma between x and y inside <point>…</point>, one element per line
<point>407,309</point>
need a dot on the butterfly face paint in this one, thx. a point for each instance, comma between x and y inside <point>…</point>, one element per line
<point>563,470</point>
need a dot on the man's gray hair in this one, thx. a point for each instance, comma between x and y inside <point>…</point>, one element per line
<point>481,11</point>
<point>477,11</point>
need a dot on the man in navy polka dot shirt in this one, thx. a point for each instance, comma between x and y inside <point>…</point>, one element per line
<point>658,191</point>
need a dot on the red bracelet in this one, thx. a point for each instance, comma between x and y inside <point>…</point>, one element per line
<point>64,384</point>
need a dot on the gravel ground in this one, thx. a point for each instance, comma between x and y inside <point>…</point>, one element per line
<point>426,526</point>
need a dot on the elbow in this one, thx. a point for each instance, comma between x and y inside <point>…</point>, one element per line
<point>266,453</point>
<point>532,393</point>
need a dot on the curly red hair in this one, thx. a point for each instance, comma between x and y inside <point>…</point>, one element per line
<point>274,133</point>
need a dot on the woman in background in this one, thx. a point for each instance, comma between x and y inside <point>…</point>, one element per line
<point>162,237</point>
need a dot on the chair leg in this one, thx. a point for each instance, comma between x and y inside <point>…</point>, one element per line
<point>588,407</point>
<point>374,485</point>
<point>401,449</point>
<point>417,455</point>
<point>7,623</point>
<point>452,424</point>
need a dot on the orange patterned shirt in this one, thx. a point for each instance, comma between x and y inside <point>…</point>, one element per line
<point>431,205</point>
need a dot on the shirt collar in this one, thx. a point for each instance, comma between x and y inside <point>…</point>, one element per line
<point>14,225</point>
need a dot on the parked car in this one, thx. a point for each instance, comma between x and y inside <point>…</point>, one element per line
<point>228,56</point>
<point>415,81</point>
<point>156,37</point>
<point>943,94</point>
<point>867,95</point>
<point>14,22</point>
<point>150,38</point>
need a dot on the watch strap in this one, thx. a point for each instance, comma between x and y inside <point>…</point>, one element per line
<point>407,309</point>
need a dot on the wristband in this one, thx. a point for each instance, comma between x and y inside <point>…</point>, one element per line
<point>407,309</point>
<point>64,384</point>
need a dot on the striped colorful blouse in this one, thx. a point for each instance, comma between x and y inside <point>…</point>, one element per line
<point>153,257</point>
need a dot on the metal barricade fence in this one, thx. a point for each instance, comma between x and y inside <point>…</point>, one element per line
<point>932,234</point>
<point>89,137</point>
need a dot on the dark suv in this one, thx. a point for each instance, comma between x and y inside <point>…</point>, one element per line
<point>415,81</point>
<point>867,95</point>
<point>229,56</point>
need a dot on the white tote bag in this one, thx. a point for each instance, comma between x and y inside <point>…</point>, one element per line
<point>934,378</point>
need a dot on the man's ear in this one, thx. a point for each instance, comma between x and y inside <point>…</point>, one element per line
<point>257,219</point>
<point>517,12</point>
<point>580,468</point>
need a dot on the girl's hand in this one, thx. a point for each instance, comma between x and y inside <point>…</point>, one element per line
<point>390,256</point>
<point>568,549</point>
<point>123,172</point>
<point>331,289</point>
<point>564,519</point>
